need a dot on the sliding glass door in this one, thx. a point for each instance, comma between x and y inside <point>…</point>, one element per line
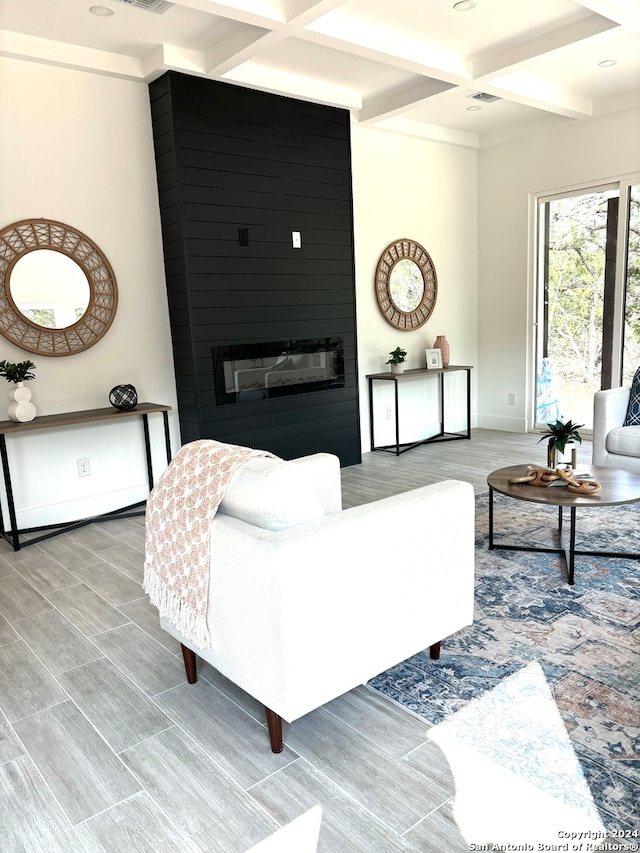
<point>588,298</point>
<point>631,284</point>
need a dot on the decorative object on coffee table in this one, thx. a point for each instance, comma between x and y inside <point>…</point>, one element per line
<point>398,357</point>
<point>544,477</point>
<point>21,409</point>
<point>442,344</point>
<point>560,435</point>
<point>579,486</point>
<point>123,397</point>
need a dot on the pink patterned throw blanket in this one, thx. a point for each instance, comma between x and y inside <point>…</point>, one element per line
<point>179,513</point>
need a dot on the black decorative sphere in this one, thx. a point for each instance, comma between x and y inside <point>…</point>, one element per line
<point>123,397</point>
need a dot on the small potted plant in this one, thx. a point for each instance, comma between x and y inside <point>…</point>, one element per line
<point>398,357</point>
<point>20,408</point>
<point>20,372</point>
<point>560,435</point>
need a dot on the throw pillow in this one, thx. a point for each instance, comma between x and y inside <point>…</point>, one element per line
<point>271,494</point>
<point>633,410</point>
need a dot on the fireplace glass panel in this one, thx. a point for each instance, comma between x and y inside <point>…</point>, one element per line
<point>246,373</point>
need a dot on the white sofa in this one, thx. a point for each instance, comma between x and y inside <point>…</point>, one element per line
<point>614,445</point>
<point>307,601</point>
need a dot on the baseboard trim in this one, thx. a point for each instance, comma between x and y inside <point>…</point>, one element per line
<point>503,423</point>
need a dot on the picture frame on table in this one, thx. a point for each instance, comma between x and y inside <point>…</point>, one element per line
<point>434,358</point>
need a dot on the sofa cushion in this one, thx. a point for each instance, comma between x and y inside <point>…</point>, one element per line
<point>624,441</point>
<point>272,494</point>
<point>633,410</point>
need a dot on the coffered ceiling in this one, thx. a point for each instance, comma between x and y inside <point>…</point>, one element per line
<point>411,66</point>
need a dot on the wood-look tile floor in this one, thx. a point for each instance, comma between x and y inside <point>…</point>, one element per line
<point>104,746</point>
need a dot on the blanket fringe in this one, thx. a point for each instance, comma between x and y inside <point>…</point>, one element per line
<point>188,623</point>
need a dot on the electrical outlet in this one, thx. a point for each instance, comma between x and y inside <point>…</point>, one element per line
<point>512,399</point>
<point>389,412</point>
<point>83,468</point>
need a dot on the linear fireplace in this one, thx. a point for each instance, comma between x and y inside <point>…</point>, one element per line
<point>245,373</point>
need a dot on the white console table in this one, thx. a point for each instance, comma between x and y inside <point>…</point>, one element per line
<point>398,379</point>
<point>142,410</point>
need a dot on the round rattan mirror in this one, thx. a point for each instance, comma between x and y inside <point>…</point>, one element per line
<point>56,305</point>
<point>406,284</point>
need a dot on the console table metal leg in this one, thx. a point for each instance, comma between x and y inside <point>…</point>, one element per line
<point>397,408</point>
<point>468,404</point>
<point>13,521</point>
<point>167,438</point>
<point>442,404</point>
<point>371,424</point>
<point>147,449</point>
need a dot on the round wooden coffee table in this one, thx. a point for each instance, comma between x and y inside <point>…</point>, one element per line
<point>618,487</point>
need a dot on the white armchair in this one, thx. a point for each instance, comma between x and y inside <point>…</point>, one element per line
<point>307,601</point>
<point>614,445</point>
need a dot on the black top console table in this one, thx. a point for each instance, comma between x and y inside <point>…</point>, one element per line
<point>398,379</point>
<point>142,410</point>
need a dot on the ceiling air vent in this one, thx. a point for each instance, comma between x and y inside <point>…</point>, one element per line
<point>484,98</point>
<point>155,6</point>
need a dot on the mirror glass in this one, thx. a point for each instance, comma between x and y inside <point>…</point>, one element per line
<point>406,285</point>
<point>50,289</point>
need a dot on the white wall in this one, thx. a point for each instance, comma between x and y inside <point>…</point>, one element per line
<point>77,148</point>
<point>592,151</point>
<point>406,187</point>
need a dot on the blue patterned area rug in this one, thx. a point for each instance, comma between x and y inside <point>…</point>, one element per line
<point>540,697</point>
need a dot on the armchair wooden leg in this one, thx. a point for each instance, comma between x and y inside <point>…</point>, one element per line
<point>189,658</point>
<point>434,651</point>
<point>274,724</point>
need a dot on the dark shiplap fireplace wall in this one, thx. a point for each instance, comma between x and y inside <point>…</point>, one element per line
<point>233,162</point>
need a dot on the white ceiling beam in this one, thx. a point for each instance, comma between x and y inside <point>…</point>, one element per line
<point>510,57</point>
<point>517,89</point>
<point>387,106</point>
<point>303,88</point>
<point>267,15</point>
<point>303,12</point>
<point>166,57</point>
<point>431,132</point>
<point>235,51</point>
<point>624,12</point>
<point>526,90</point>
<point>63,55</point>
<point>456,72</point>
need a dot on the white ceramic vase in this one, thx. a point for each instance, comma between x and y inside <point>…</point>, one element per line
<point>21,409</point>
<point>397,368</point>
